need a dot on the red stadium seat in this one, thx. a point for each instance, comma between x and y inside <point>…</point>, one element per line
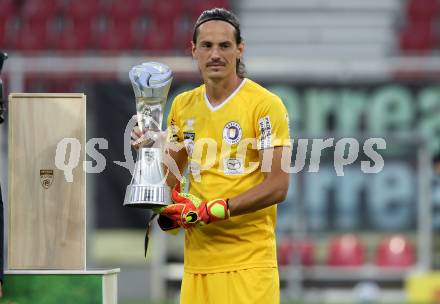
<point>2,35</point>
<point>289,247</point>
<point>74,38</point>
<point>38,11</point>
<point>10,32</point>
<point>166,12</point>
<point>422,10</point>
<point>196,7</point>
<point>64,84</point>
<point>160,39</point>
<point>418,37</point>
<point>183,41</point>
<point>183,35</point>
<point>115,38</point>
<point>32,38</point>
<point>395,251</point>
<point>7,9</point>
<point>3,31</point>
<point>37,84</point>
<point>346,250</point>
<point>123,11</point>
<point>84,11</point>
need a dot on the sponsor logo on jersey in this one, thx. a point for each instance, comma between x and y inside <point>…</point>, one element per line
<point>266,132</point>
<point>232,132</point>
<point>233,166</point>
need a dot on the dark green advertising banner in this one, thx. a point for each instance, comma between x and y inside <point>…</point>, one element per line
<point>378,110</point>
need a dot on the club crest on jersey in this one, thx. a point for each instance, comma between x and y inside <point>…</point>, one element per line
<point>232,132</point>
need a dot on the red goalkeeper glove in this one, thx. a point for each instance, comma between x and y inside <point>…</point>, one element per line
<point>188,210</point>
<point>168,225</point>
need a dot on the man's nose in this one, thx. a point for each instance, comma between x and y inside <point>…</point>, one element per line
<point>215,54</point>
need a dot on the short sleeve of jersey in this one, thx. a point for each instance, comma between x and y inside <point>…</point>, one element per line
<point>272,124</point>
<point>173,126</point>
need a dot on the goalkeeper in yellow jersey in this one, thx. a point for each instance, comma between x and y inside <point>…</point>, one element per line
<point>234,134</point>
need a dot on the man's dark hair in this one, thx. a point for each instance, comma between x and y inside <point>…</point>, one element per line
<point>226,16</point>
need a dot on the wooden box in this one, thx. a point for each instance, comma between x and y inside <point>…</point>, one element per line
<point>47,215</point>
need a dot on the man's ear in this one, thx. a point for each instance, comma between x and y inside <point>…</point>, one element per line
<point>240,48</point>
<point>193,50</point>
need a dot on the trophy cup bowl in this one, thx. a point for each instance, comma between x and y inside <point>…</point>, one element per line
<point>151,83</point>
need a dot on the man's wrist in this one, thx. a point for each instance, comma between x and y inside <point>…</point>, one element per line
<point>228,204</point>
<point>215,210</point>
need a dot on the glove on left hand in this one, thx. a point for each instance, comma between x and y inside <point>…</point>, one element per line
<point>188,210</point>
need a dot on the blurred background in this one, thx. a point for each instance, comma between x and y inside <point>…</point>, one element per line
<point>344,68</point>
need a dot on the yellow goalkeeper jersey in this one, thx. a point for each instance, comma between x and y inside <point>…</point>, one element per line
<point>222,143</point>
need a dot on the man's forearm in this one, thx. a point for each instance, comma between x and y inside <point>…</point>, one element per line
<point>174,162</point>
<point>172,180</point>
<point>268,193</point>
<point>272,190</point>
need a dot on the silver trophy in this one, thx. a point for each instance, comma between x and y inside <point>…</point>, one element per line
<point>151,83</point>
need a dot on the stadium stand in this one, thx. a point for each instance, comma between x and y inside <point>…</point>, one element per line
<point>113,37</point>
<point>346,250</point>
<point>131,10</point>
<point>421,10</point>
<point>302,28</point>
<point>114,25</point>
<point>38,12</point>
<point>80,12</point>
<point>395,251</point>
<point>289,249</point>
<point>72,37</point>
<point>318,28</point>
<point>418,34</point>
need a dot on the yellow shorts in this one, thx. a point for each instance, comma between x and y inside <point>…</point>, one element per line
<point>249,286</point>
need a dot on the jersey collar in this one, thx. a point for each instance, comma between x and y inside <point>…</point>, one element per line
<point>217,107</point>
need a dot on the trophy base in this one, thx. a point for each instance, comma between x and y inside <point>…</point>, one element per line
<point>147,197</point>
